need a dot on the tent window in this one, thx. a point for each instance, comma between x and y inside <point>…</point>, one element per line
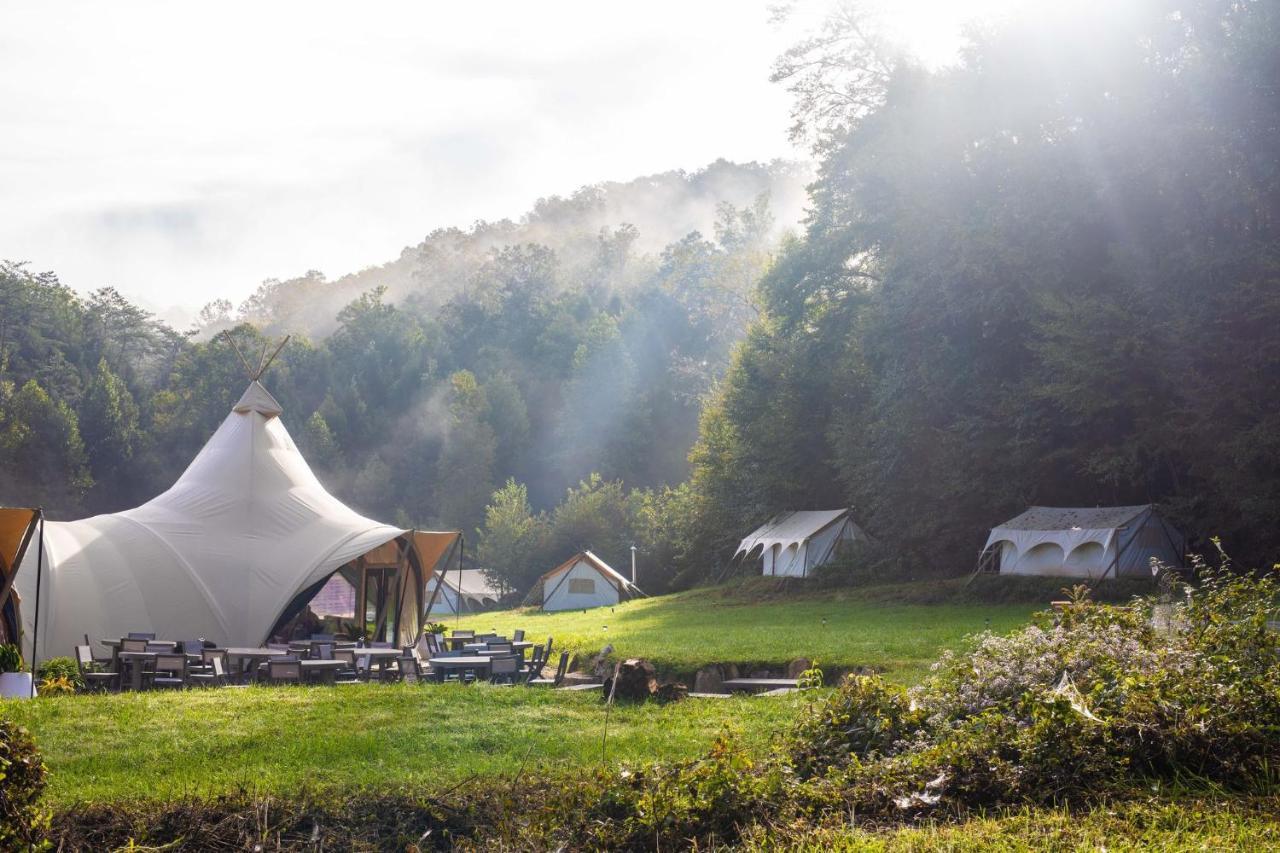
<point>582,586</point>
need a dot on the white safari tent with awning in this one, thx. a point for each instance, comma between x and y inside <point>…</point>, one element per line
<point>584,580</point>
<point>1095,543</point>
<point>793,544</point>
<point>242,541</point>
<point>471,587</point>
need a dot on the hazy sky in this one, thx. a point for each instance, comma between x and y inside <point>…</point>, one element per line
<point>183,152</point>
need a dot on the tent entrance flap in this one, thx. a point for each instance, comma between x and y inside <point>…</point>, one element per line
<point>380,595</point>
<point>17,526</point>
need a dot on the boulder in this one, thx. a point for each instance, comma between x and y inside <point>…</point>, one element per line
<point>708,680</point>
<point>672,691</point>
<point>797,667</point>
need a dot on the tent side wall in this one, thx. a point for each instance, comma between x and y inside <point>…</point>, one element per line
<point>564,594</point>
<point>1153,538</point>
<point>824,546</point>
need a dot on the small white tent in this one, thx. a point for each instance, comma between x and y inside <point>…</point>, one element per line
<point>1098,542</point>
<point>471,586</point>
<point>584,580</point>
<point>793,544</point>
<point>243,534</point>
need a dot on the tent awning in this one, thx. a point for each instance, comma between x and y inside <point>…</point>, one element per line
<point>791,528</point>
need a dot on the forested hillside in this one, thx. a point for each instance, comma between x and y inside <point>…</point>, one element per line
<point>546,349</point>
<point>1050,275</point>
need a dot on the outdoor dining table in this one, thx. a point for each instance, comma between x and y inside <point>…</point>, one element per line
<point>135,661</point>
<point>441,666</point>
<point>327,669</point>
<point>250,658</point>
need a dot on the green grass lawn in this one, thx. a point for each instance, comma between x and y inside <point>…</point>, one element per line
<point>278,740</point>
<point>839,629</point>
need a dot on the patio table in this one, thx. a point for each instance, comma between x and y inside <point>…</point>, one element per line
<point>440,666</point>
<point>135,661</point>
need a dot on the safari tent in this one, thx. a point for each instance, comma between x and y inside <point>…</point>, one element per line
<point>584,580</point>
<point>1095,543</point>
<point>238,546</point>
<point>17,527</point>
<point>469,586</point>
<point>793,544</point>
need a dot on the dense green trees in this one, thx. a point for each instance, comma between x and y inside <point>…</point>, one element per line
<point>552,350</point>
<point>1045,275</point>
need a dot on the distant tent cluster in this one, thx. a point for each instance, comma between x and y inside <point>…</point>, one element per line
<point>1092,543</point>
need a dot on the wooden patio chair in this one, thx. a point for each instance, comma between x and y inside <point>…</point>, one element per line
<point>504,670</point>
<point>284,671</point>
<point>214,675</point>
<point>91,675</point>
<point>170,671</point>
<point>518,635</point>
<point>561,668</point>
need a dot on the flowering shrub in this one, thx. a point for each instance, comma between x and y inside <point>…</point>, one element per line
<point>1086,702</point>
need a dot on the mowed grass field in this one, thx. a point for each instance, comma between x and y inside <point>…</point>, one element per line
<point>283,740</point>
<point>840,629</point>
<point>161,745</point>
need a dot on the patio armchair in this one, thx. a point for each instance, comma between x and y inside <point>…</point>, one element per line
<point>348,674</point>
<point>561,668</point>
<point>504,670</point>
<point>141,635</point>
<point>170,671</point>
<point>535,662</point>
<point>518,635</point>
<point>284,671</point>
<point>214,675</point>
<point>133,645</point>
<point>499,648</point>
<point>161,648</point>
<point>91,675</point>
<point>410,670</point>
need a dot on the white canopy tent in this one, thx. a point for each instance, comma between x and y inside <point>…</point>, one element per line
<point>471,586</point>
<point>584,580</point>
<point>1084,542</point>
<point>244,531</point>
<point>793,544</point>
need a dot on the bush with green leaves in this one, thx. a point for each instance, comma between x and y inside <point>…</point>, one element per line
<point>61,669</point>
<point>1086,702</point>
<point>10,658</point>
<point>23,823</point>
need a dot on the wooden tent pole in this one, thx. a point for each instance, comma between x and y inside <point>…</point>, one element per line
<point>248,371</point>
<point>35,628</point>
<point>267,363</point>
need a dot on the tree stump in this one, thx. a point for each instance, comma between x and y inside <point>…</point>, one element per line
<point>637,681</point>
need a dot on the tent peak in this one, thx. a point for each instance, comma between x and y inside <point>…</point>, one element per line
<point>258,399</point>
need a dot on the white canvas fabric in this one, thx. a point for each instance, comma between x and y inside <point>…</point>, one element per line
<point>1085,542</point>
<point>219,555</point>
<point>792,544</point>
<point>478,592</point>
<point>566,586</point>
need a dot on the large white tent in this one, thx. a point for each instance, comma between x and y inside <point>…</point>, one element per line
<point>1087,542</point>
<point>232,546</point>
<point>793,544</point>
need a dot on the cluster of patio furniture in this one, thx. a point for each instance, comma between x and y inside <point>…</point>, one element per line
<point>140,661</point>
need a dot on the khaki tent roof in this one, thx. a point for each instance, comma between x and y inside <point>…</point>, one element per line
<point>1075,518</point>
<point>790,528</point>
<point>596,563</point>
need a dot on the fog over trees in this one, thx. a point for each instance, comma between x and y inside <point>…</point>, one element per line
<point>1047,274</point>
